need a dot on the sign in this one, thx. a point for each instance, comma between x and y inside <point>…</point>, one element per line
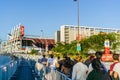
<point>22,30</point>
<point>78,47</point>
<point>107,56</point>
<point>107,43</point>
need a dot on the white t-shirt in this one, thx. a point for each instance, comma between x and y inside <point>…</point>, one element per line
<point>117,69</point>
<point>79,71</point>
<point>51,62</point>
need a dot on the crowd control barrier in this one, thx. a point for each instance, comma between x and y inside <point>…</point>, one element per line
<point>40,71</point>
<point>45,73</point>
<point>7,70</point>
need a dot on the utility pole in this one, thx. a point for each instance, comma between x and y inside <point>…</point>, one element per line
<point>78,19</point>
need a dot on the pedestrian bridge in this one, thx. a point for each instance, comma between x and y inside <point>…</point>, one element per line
<point>27,67</point>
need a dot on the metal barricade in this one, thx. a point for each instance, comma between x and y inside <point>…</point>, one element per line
<point>42,72</point>
<point>7,71</point>
<point>46,73</point>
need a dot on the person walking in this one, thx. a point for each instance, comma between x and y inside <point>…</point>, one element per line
<point>51,67</point>
<point>67,66</point>
<point>115,67</point>
<point>98,72</point>
<point>44,60</point>
<point>79,70</point>
<point>98,56</point>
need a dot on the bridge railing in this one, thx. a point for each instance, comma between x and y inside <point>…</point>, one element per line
<point>40,71</point>
<point>46,73</point>
<point>7,70</point>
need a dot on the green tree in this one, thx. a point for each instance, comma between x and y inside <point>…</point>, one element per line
<point>33,51</point>
<point>95,42</point>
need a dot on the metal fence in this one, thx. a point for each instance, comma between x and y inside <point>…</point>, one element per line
<point>7,71</point>
<point>45,73</point>
<point>40,71</point>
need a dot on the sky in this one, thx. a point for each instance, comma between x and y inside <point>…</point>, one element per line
<point>49,15</point>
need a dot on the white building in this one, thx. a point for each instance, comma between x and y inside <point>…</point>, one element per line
<point>69,33</point>
<point>57,36</point>
<point>19,42</point>
<point>14,42</point>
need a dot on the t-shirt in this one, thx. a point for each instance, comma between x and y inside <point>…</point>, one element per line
<point>79,71</point>
<point>51,62</point>
<point>112,66</point>
<point>117,69</point>
<point>44,61</point>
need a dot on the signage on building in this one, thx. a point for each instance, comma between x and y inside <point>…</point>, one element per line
<point>78,37</point>
<point>107,56</point>
<point>78,47</point>
<point>22,30</point>
<point>107,43</point>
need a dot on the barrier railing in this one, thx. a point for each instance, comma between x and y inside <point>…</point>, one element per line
<point>45,73</point>
<point>7,70</point>
<point>40,71</point>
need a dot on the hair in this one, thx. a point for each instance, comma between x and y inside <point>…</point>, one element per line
<point>98,54</point>
<point>51,56</point>
<point>96,64</point>
<point>91,57</point>
<point>64,55</point>
<point>115,56</point>
<point>43,55</point>
<point>80,58</point>
<point>68,62</point>
<point>58,57</point>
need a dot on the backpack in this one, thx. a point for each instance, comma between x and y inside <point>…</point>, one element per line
<point>98,72</point>
<point>113,75</point>
<point>98,75</point>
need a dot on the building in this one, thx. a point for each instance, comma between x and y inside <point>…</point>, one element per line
<point>57,36</point>
<point>69,33</point>
<point>18,41</point>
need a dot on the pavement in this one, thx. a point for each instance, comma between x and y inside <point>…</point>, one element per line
<point>24,72</point>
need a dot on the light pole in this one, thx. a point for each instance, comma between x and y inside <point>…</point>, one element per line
<point>41,38</point>
<point>78,17</point>
<point>78,20</point>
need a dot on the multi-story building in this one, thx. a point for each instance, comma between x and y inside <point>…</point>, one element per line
<point>69,33</point>
<point>18,41</point>
<point>14,42</point>
<point>57,36</point>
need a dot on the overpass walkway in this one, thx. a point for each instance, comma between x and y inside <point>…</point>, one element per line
<point>24,72</point>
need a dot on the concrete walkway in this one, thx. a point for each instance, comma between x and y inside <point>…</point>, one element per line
<point>24,72</point>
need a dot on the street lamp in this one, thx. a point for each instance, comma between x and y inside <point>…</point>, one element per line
<point>42,47</point>
<point>78,44</point>
<point>41,37</point>
<point>78,17</point>
<point>45,41</point>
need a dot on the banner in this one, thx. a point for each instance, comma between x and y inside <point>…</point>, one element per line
<point>22,30</point>
<point>107,43</point>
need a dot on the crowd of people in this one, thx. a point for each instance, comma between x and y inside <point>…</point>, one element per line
<point>90,69</point>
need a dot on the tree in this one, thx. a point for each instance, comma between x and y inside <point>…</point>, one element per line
<point>33,52</point>
<point>95,42</point>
